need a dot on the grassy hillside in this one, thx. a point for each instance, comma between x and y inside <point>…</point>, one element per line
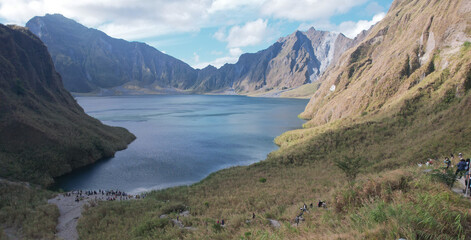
<point>44,133</point>
<point>391,198</point>
<point>24,212</point>
<point>419,114</point>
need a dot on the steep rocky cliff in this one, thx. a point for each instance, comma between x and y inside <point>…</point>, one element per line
<point>292,61</point>
<point>415,43</point>
<point>43,132</point>
<point>89,60</point>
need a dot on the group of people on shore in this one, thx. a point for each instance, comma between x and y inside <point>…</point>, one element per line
<point>108,195</point>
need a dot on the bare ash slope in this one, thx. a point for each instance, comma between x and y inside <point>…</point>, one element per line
<point>413,40</point>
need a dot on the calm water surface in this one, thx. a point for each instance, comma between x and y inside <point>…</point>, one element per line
<point>183,138</point>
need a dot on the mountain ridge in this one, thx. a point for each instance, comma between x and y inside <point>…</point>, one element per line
<point>79,52</point>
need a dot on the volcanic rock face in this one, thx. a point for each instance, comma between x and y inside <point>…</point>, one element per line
<point>415,39</point>
<point>89,60</point>
<point>43,132</point>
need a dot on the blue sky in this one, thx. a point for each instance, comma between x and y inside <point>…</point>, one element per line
<point>202,32</point>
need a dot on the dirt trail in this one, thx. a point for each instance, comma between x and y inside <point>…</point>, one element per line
<point>70,211</point>
<point>459,187</point>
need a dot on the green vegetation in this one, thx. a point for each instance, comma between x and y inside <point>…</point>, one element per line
<point>350,166</point>
<point>430,68</point>
<point>447,176</point>
<point>379,206</point>
<point>390,198</point>
<point>406,69</point>
<point>443,77</point>
<point>360,53</point>
<point>24,210</point>
<point>410,208</point>
<point>133,219</point>
<point>467,83</point>
<point>466,46</point>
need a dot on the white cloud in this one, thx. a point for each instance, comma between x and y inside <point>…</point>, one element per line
<point>349,28</point>
<point>352,29</point>
<point>218,62</point>
<point>139,19</point>
<point>252,33</point>
<point>233,57</point>
<point>214,52</point>
<point>224,5</point>
<point>236,52</point>
<point>303,10</point>
<point>374,8</point>
<point>196,57</point>
<point>118,18</point>
<point>220,34</point>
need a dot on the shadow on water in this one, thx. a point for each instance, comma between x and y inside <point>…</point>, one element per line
<point>79,173</point>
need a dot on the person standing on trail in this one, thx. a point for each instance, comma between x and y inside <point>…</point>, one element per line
<point>447,162</point>
<point>304,208</point>
<point>461,168</point>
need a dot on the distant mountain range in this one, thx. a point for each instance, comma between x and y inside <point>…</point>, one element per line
<point>44,133</point>
<point>91,61</point>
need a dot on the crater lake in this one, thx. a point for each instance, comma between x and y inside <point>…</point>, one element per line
<point>181,139</point>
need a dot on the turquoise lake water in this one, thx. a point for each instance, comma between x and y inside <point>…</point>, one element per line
<point>183,138</point>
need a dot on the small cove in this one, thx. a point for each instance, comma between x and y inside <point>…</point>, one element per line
<point>182,138</point>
